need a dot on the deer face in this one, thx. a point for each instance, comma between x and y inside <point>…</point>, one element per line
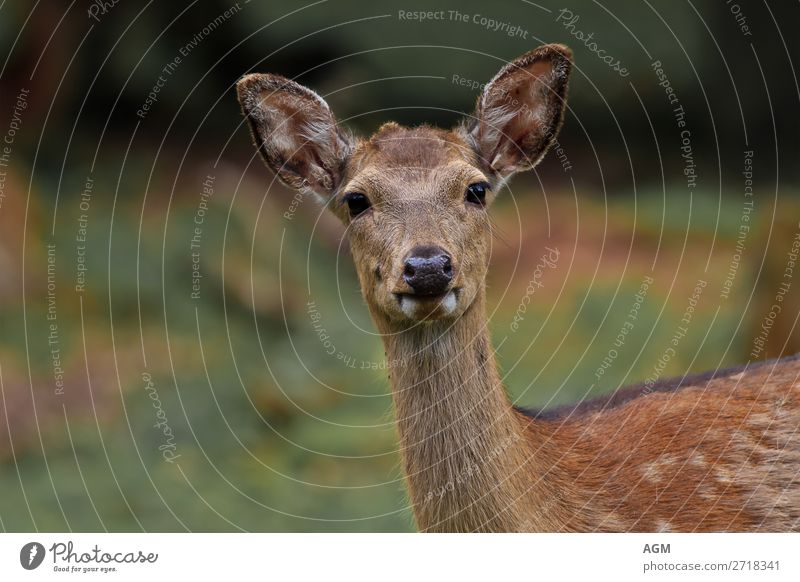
<point>414,200</point>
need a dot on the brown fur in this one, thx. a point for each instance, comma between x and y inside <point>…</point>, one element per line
<point>721,453</point>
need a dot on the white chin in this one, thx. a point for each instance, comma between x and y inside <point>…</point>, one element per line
<point>414,307</point>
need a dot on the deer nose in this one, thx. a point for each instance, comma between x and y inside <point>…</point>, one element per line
<point>428,270</point>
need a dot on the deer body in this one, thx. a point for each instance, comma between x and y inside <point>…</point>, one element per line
<point>714,454</point>
<point>718,454</point>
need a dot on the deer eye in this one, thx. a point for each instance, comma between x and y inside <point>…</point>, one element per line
<point>476,193</point>
<point>356,203</point>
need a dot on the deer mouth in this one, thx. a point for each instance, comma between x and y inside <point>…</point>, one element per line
<point>417,306</point>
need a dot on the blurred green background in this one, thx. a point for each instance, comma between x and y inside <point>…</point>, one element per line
<point>128,404</point>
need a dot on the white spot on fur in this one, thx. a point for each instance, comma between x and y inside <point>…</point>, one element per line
<point>706,491</point>
<point>449,302</point>
<point>613,522</point>
<point>410,305</point>
<point>663,526</point>
<point>724,475</point>
<point>697,459</point>
<point>655,469</point>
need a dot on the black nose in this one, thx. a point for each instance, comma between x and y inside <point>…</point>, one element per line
<point>428,270</point>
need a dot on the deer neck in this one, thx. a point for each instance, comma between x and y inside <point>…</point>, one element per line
<point>466,452</point>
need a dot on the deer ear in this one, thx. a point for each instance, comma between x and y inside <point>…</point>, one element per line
<point>521,109</point>
<point>295,132</point>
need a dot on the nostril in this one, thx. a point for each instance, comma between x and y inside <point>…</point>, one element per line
<point>447,267</point>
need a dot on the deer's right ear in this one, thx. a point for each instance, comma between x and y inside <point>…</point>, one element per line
<point>295,132</point>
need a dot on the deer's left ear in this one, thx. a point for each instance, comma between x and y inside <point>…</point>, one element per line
<point>521,109</point>
<point>295,132</point>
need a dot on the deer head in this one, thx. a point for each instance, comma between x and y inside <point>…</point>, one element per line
<point>414,200</point>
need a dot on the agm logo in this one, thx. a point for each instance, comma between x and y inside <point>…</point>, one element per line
<point>31,555</point>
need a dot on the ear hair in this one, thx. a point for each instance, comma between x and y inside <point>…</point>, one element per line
<point>521,109</point>
<point>295,132</point>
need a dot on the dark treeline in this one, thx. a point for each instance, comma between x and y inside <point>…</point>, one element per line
<point>727,64</point>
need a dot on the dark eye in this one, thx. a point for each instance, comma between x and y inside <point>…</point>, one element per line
<point>476,193</point>
<point>356,203</point>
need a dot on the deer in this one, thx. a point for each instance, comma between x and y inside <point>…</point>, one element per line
<point>714,452</point>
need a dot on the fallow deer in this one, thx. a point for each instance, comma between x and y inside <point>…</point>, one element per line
<point>719,452</point>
